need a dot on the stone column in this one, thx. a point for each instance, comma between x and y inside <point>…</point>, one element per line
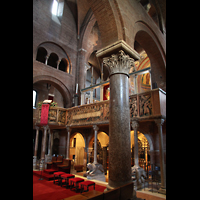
<point>36,147</point>
<point>101,92</point>
<point>91,96</point>
<point>47,57</point>
<point>135,126</point>
<point>49,144</point>
<point>135,84</point>
<point>119,125</point>
<point>44,142</point>
<point>58,62</point>
<point>68,141</point>
<point>95,128</point>
<point>162,189</point>
<point>82,98</point>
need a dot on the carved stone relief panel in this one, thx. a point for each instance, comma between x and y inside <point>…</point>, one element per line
<point>145,105</point>
<point>133,107</point>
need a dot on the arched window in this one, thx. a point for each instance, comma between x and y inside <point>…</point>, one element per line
<point>64,65</point>
<point>53,59</point>
<point>41,54</point>
<point>34,98</point>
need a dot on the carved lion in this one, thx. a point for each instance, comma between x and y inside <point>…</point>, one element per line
<point>138,174</point>
<point>94,169</point>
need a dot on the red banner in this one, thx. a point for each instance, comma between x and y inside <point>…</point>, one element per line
<point>44,114</point>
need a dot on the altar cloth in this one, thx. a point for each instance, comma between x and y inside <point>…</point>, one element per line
<point>44,114</point>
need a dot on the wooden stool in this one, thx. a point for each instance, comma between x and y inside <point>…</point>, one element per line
<point>87,184</point>
<point>58,174</point>
<point>74,183</point>
<point>66,177</point>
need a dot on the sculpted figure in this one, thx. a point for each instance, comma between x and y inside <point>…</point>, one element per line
<point>138,175</point>
<point>94,169</point>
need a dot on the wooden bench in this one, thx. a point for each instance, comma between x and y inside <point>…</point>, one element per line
<point>125,192</point>
<point>93,195</point>
<point>113,194</point>
<point>78,168</point>
<point>76,197</point>
<point>65,166</point>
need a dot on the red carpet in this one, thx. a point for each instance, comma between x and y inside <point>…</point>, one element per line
<point>43,189</point>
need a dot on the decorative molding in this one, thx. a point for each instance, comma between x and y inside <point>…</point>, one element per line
<point>95,127</point>
<point>116,46</point>
<point>134,124</point>
<point>119,63</point>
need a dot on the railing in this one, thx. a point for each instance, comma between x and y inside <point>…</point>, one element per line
<point>89,114</point>
<point>143,106</point>
<point>148,104</point>
<point>57,116</point>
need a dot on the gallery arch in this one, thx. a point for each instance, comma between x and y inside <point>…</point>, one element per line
<point>144,147</point>
<point>77,148</point>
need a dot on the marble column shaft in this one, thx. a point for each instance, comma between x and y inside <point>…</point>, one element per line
<point>135,126</point>
<point>68,140</point>
<point>36,141</point>
<point>44,143</point>
<point>119,125</point>
<point>95,128</point>
<point>159,123</point>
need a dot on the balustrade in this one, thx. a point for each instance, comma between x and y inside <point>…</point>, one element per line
<point>143,106</point>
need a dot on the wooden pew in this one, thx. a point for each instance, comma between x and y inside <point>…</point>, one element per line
<point>65,166</point>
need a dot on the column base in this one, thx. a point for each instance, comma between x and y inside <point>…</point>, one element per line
<point>34,162</point>
<point>113,184</point>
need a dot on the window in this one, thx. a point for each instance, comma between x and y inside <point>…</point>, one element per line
<point>41,54</point>
<point>57,10</point>
<point>34,98</point>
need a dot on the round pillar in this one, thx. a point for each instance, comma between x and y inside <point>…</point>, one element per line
<point>119,125</point>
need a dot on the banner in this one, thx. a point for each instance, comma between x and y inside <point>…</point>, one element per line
<point>44,114</point>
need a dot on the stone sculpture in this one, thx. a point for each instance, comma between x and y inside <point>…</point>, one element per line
<point>138,176</point>
<point>95,171</point>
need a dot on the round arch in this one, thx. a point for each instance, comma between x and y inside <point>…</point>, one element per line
<point>49,44</point>
<point>81,136</point>
<point>155,50</point>
<point>103,138</point>
<point>58,85</point>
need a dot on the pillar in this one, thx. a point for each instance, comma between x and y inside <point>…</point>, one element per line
<point>36,147</point>
<point>82,98</point>
<point>101,92</point>
<point>162,189</point>
<point>135,126</point>
<point>91,96</point>
<point>135,84</point>
<point>47,57</point>
<point>44,143</point>
<point>95,128</point>
<point>58,62</point>
<point>49,144</point>
<point>68,141</point>
<point>119,65</point>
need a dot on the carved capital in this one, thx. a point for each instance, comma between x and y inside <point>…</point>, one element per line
<point>68,129</point>
<point>159,122</point>
<point>45,127</point>
<point>119,63</point>
<point>134,124</point>
<point>95,127</point>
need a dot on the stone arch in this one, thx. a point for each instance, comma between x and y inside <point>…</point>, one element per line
<point>53,47</point>
<point>72,136</point>
<point>58,85</point>
<point>91,139</point>
<point>112,30</point>
<point>155,50</point>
